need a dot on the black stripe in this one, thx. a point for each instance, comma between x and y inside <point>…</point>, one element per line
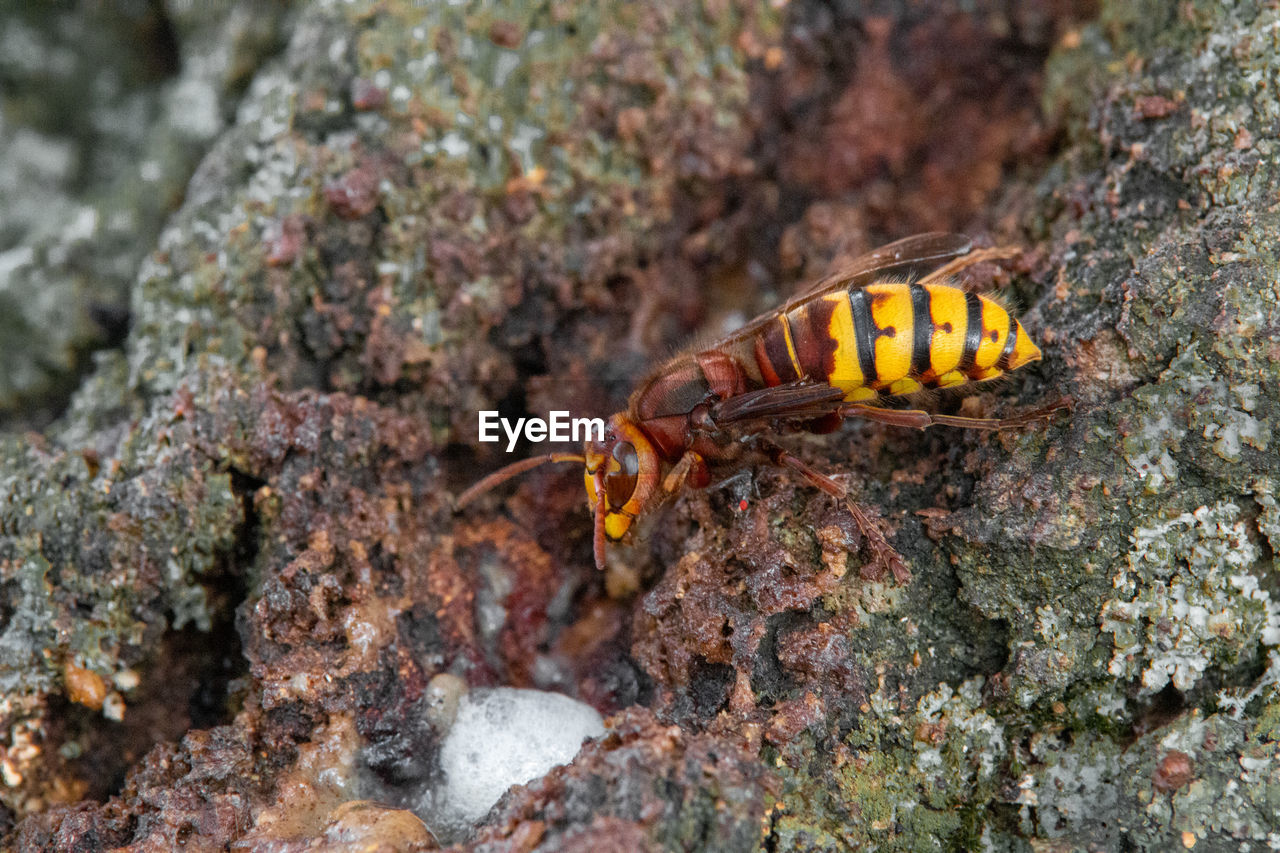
<point>921,331</point>
<point>972,331</point>
<point>1007,352</point>
<point>866,333</point>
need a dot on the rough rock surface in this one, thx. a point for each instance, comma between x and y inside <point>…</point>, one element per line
<point>229,570</point>
<point>105,111</point>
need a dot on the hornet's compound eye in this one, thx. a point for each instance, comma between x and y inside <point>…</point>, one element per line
<point>620,481</point>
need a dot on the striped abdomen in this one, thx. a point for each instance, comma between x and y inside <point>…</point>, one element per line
<point>887,339</point>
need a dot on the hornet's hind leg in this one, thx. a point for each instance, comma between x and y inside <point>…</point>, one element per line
<point>920,419</point>
<point>995,253</point>
<point>884,556</point>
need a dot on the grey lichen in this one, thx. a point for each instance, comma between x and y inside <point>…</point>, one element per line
<point>1198,779</point>
<point>1188,600</point>
<point>104,115</point>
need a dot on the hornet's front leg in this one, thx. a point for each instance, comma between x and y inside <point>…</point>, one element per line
<point>691,468</point>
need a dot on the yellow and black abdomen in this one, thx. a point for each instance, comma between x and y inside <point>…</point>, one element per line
<point>888,339</point>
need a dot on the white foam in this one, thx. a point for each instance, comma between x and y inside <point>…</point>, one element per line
<point>501,737</point>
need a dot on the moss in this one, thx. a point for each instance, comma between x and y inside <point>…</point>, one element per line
<point>900,780</point>
<point>157,521</point>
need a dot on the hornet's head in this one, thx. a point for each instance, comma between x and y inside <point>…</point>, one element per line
<point>622,475</point>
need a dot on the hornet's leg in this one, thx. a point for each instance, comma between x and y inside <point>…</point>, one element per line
<point>919,419</point>
<point>883,554</point>
<point>977,256</point>
<point>691,468</point>
<point>741,481</point>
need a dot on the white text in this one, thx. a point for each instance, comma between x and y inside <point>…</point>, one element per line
<point>558,427</point>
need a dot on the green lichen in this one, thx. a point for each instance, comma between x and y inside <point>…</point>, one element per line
<point>914,780</point>
<point>30,627</point>
<point>98,565</point>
